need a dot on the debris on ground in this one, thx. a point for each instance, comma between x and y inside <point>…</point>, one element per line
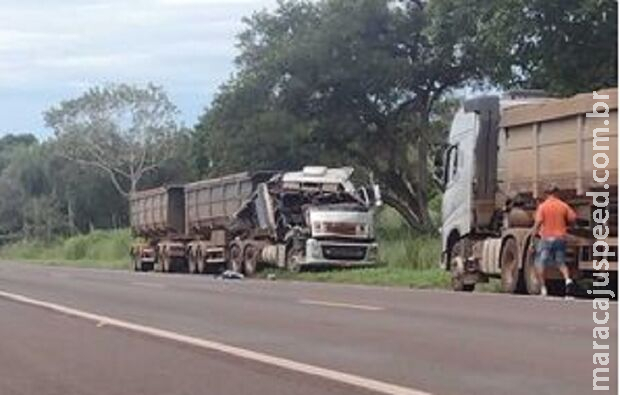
<point>232,275</point>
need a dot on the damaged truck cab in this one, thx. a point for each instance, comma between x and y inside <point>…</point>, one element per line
<point>243,221</point>
<point>338,221</point>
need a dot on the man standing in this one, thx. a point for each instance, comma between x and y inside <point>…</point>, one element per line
<point>552,219</point>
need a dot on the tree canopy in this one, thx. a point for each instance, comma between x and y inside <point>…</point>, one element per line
<point>368,83</point>
<point>559,46</point>
<point>340,82</point>
<point>125,131</point>
<point>363,82</point>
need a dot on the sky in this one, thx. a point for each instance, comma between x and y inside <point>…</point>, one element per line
<point>53,50</point>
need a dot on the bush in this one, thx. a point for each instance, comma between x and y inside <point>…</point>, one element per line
<point>97,246</point>
<point>399,247</point>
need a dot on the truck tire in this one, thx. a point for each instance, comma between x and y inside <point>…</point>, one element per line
<point>294,258</point>
<point>456,269</point>
<point>164,261</point>
<point>192,262</point>
<point>512,276</point>
<point>250,260</point>
<point>137,263</point>
<point>235,258</point>
<point>200,262</point>
<point>556,287</point>
<point>532,285</point>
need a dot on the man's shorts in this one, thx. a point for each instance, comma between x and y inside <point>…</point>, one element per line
<point>550,252</point>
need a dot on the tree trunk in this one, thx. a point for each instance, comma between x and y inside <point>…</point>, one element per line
<point>422,195</point>
<point>408,215</point>
<point>413,208</point>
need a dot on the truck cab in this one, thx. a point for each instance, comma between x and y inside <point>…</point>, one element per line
<point>472,172</point>
<point>501,153</point>
<point>337,221</point>
<point>458,180</point>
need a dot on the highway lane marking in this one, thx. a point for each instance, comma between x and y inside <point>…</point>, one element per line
<point>283,363</point>
<point>148,285</point>
<point>341,305</point>
<point>63,276</point>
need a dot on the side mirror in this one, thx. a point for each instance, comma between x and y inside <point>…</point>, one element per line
<point>363,194</point>
<point>447,168</point>
<point>377,195</point>
<point>371,196</point>
<point>439,164</point>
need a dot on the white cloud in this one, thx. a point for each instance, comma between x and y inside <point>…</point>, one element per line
<point>54,49</point>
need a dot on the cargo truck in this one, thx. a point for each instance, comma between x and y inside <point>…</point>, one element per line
<point>502,153</point>
<point>240,222</point>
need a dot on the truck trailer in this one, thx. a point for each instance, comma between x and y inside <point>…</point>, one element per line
<point>502,154</point>
<point>240,222</point>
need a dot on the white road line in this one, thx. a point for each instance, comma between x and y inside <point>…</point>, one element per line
<point>334,375</point>
<point>63,276</point>
<point>148,285</point>
<point>341,305</point>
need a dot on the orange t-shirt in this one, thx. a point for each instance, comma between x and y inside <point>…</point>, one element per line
<point>554,215</point>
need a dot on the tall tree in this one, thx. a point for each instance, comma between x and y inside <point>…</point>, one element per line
<point>12,143</point>
<point>561,46</point>
<point>125,131</point>
<point>342,82</point>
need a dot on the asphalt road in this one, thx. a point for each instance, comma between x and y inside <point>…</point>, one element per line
<point>432,342</point>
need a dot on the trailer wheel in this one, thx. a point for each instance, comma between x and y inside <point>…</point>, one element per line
<point>192,264</point>
<point>250,260</point>
<point>200,262</point>
<point>512,278</point>
<point>532,284</point>
<point>165,262</point>
<point>235,258</point>
<point>458,283</point>
<point>137,262</point>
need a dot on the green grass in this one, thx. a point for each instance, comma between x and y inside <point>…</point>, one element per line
<point>383,276</point>
<point>109,249</point>
<point>406,259</point>
<point>400,248</point>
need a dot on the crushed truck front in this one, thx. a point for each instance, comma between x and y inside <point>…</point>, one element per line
<point>338,224</point>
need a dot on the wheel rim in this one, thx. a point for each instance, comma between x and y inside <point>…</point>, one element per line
<point>455,271</point>
<point>166,262</point>
<point>200,263</point>
<point>510,267</point>
<point>192,263</point>
<point>533,286</point>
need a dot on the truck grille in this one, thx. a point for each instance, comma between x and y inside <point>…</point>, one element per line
<point>341,228</point>
<point>352,253</point>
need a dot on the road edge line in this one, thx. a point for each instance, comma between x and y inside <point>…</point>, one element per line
<point>325,303</point>
<point>283,363</point>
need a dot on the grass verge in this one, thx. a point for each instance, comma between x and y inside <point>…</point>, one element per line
<point>381,276</point>
<point>407,259</point>
<point>98,249</point>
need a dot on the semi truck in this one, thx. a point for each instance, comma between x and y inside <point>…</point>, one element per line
<point>240,222</point>
<point>501,155</point>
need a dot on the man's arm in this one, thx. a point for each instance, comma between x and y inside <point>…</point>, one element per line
<point>571,215</point>
<point>538,220</point>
